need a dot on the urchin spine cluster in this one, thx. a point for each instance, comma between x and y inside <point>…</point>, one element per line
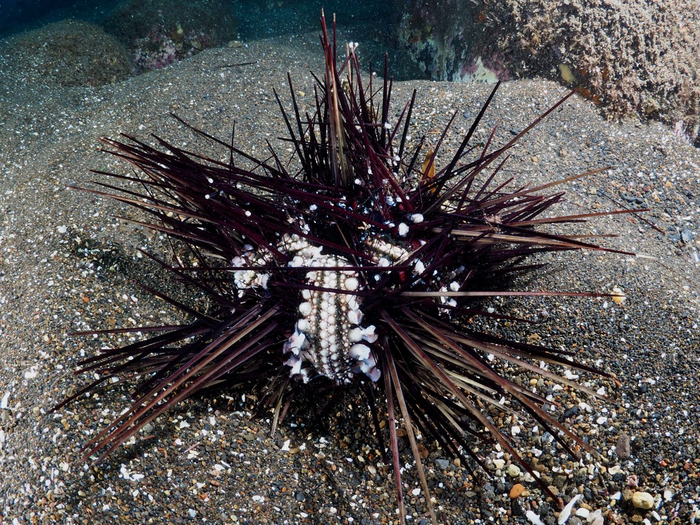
<point>309,255</point>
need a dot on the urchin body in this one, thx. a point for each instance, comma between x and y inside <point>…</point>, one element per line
<point>328,338</point>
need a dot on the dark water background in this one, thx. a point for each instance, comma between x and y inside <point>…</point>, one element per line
<point>256,18</point>
<point>20,15</point>
<point>371,22</point>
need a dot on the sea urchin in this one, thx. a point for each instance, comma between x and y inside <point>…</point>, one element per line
<point>355,263</point>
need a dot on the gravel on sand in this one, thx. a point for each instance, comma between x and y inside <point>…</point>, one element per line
<point>67,264</point>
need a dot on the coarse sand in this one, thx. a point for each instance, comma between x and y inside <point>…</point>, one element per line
<point>67,264</point>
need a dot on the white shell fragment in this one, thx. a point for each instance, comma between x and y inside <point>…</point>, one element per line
<point>359,352</point>
<point>618,296</point>
<point>566,511</point>
<point>128,475</point>
<point>418,267</point>
<point>4,402</point>
<point>305,309</point>
<point>534,518</point>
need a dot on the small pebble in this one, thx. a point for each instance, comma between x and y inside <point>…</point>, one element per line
<point>442,463</point>
<point>596,517</point>
<point>571,412</point>
<point>533,518</point>
<point>516,491</point>
<point>513,471</point>
<point>623,446</point>
<point>642,500</point>
<point>618,295</point>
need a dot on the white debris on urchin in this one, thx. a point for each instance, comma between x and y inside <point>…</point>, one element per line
<point>247,277</point>
<point>328,339</point>
<point>388,253</point>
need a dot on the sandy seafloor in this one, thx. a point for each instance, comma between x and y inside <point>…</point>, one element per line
<point>67,264</point>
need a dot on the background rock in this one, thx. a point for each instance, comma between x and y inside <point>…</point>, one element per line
<point>630,58</point>
<point>158,33</point>
<point>67,53</point>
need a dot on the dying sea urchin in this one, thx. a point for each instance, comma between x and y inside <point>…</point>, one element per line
<point>357,262</point>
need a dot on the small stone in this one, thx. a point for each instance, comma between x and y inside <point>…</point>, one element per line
<point>442,463</point>
<point>618,477</point>
<point>615,469</point>
<point>596,517</point>
<point>513,471</point>
<point>571,412</point>
<point>642,500</point>
<point>686,235</point>
<point>423,452</point>
<point>618,295</point>
<point>623,446</point>
<point>516,491</point>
